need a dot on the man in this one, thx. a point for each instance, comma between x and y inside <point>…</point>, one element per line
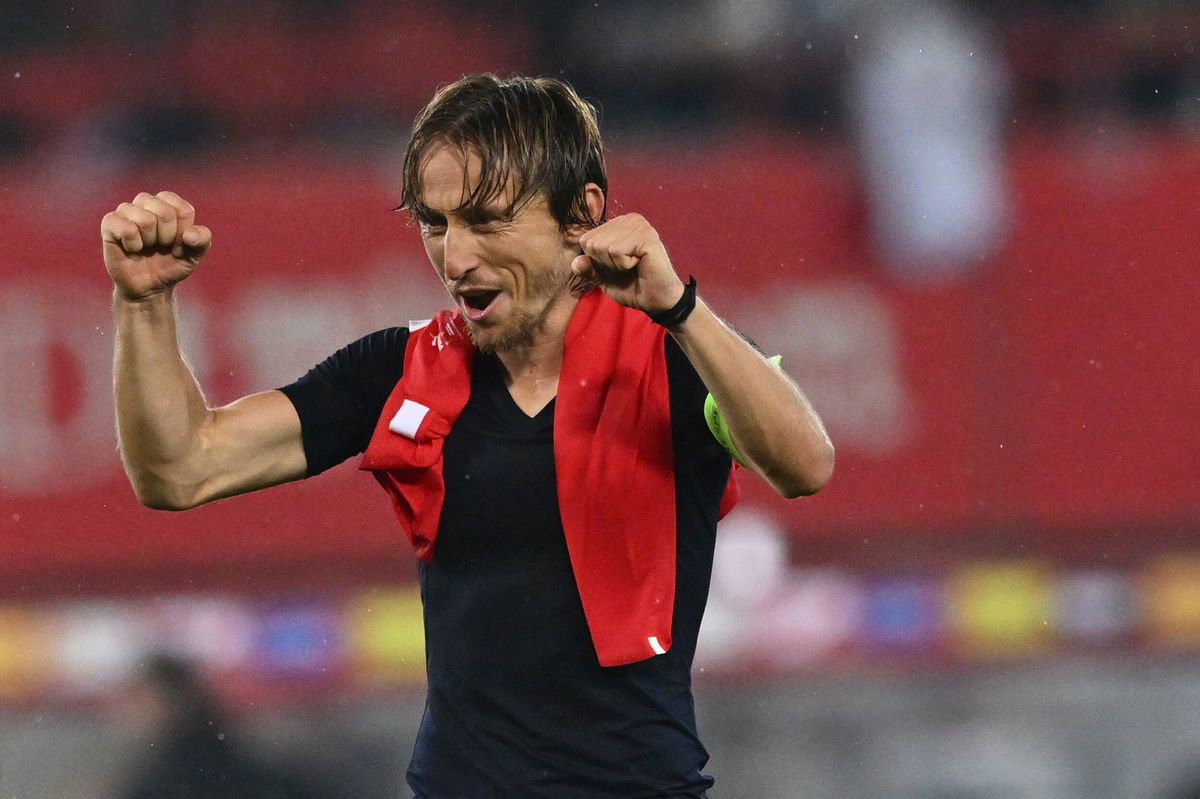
<point>190,747</point>
<point>553,466</point>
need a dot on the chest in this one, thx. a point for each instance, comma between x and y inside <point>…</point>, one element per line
<point>531,395</point>
<point>499,469</point>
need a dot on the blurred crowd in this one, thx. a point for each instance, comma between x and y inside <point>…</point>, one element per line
<point>148,78</point>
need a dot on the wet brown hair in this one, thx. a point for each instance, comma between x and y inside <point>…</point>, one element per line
<point>536,135</point>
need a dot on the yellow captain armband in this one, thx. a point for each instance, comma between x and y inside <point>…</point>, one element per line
<point>716,422</point>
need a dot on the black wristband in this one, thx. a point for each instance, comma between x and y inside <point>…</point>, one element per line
<point>677,313</point>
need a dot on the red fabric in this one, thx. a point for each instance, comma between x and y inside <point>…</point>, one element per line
<point>613,456</point>
<point>437,374</point>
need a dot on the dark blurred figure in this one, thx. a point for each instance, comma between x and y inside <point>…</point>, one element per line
<point>192,752</point>
<point>1185,787</point>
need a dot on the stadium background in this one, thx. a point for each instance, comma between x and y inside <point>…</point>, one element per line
<point>971,230</point>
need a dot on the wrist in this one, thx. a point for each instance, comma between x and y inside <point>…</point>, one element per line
<point>148,299</point>
<point>679,312</point>
<point>154,305</point>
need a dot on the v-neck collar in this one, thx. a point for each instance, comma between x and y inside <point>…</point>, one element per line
<point>492,373</point>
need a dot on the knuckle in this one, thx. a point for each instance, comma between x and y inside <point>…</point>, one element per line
<point>182,206</point>
<point>159,208</point>
<point>112,227</point>
<point>143,219</point>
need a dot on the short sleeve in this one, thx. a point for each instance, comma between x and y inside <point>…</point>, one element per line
<point>339,400</point>
<point>692,437</point>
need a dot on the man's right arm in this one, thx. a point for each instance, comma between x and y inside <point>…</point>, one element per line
<point>177,451</point>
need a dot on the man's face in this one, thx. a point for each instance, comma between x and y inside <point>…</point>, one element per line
<point>503,272</point>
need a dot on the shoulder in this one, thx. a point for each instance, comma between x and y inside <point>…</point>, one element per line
<point>382,350</point>
<point>387,341</point>
<point>376,357</point>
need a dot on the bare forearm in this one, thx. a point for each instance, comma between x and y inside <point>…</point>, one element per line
<point>771,422</point>
<point>160,407</point>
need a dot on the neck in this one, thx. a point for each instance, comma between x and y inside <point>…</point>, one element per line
<point>538,359</point>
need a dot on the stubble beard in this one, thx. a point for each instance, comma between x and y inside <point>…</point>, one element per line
<point>523,322</point>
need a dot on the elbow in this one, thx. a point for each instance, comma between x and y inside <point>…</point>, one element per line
<point>159,494</point>
<point>806,478</point>
<point>157,499</point>
<point>159,502</point>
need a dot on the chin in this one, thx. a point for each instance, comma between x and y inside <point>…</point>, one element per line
<point>498,338</point>
<point>493,339</point>
<point>482,343</point>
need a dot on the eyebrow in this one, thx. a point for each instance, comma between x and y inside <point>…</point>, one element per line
<point>477,215</point>
<point>427,216</point>
<point>472,214</point>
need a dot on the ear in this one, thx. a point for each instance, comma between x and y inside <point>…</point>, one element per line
<point>594,198</point>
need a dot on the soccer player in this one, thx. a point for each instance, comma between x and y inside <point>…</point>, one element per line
<point>546,446</point>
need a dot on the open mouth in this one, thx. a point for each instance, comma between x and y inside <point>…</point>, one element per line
<point>477,301</point>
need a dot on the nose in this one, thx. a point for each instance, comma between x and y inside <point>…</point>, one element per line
<point>458,252</point>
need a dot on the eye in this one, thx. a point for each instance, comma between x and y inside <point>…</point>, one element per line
<point>488,225</point>
<point>429,229</point>
<point>485,220</point>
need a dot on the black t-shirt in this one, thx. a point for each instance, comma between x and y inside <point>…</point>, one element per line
<point>518,705</point>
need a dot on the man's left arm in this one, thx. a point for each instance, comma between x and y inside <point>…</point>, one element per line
<point>770,422</point>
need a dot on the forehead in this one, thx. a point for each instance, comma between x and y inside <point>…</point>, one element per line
<point>449,182</point>
<point>448,174</point>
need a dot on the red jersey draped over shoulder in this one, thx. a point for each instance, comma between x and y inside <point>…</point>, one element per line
<point>613,459</point>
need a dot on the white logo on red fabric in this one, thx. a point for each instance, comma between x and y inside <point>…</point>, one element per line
<point>448,330</point>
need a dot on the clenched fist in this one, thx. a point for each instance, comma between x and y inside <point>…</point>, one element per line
<point>151,244</point>
<point>628,260</point>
